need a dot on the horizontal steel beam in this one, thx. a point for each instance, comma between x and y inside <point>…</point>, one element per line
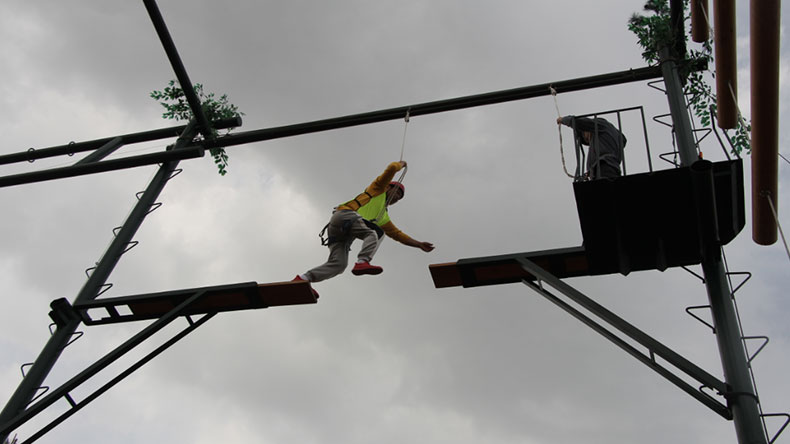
<point>527,92</point>
<point>90,145</point>
<point>103,166</point>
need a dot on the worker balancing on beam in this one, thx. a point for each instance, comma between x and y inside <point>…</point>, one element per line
<point>363,217</point>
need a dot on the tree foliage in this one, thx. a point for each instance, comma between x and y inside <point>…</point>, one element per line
<point>176,108</point>
<point>653,30</point>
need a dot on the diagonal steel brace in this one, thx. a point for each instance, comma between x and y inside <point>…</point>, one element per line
<point>617,323</point>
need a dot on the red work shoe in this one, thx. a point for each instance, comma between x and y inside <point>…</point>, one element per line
<point>299,279</point>
<point>361,268</point>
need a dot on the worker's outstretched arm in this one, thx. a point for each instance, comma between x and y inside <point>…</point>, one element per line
<point>394,232</point>
<point>424,246</point>
<point>581,123</point>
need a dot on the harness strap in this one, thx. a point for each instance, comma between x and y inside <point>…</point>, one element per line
<point>345,230</point>
<point>356,200</point>
<point>372,225</point>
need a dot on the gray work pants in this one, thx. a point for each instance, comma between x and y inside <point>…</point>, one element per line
<point>339,249</point>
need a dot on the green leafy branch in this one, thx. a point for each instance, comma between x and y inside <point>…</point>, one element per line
<point>654,33</point>
<point>176,108</point>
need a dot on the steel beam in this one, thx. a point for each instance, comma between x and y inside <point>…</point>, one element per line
<point>178,67</point>
<point>82,169</point>
<point>654,347</point>
<point>741,394</point>
<point>69,149</point>
<point>527,92</point>
<point>678,109</point>
<point>103,151</point>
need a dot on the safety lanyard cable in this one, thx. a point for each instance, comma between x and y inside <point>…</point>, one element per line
<point>405,127</point>
<point>559,131</point>
<point>403,171</point>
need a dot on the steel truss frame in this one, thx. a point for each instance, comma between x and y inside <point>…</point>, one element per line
<point>18,409</point>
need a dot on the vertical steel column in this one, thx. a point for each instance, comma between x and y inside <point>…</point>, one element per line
<point>741,396</point>
<point>677,108</point>
<point>57,342</point>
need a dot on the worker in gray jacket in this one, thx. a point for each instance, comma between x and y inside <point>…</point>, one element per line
<point>605,143</point>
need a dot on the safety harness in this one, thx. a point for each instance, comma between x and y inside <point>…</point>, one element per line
<point>345,230</point>
<point>354,204</point>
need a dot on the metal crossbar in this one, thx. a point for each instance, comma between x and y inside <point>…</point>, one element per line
<point>71,148</point>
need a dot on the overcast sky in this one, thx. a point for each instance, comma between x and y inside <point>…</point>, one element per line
<point>387,359</point>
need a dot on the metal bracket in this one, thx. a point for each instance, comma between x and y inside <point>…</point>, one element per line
<point>781,429</point>
<point>759,349</point>
<point>699,307</point>
<point>746,279</point>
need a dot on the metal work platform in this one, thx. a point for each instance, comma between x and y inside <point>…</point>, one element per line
<point>233,297</point>
<point>635,222</point>
<point>629,223</point>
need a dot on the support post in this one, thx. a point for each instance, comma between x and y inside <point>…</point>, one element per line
<point>57,342</point>
<point>677,108</point>
<point>741,393</point>
<point>741,396</point>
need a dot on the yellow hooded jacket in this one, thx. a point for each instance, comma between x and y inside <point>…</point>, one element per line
<point>372,204</point>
